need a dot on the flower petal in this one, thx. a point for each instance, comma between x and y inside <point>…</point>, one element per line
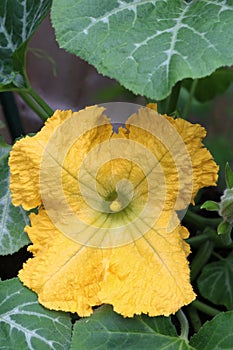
<point>25,160</point>
<point>26,154</point>
<point>150,275</point>
<point>164,162</point>
<point>205,170</point>
<point>177,144</point>
<point>65,275</point>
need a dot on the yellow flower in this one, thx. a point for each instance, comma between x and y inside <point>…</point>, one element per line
<point>106,230</point>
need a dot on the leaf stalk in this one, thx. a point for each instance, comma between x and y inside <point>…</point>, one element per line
<point>206,309</point>
<point>184,325</point>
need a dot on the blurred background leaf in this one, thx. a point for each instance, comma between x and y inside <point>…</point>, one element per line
<point>215,334</point>
<point>148,46</point>
<point>215,282</point>
<point>209,87</point>
<point>19,20</point>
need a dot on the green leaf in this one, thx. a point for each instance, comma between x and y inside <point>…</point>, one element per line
<point>210,205</point>
<point>224,228</point>
<point>18,21</point>
<point>224,232</point>
<point>216,334</point>
<point>107,330</point>
<point>229,176</point>
<point>215,282</point>
<point>147,45</point>
<point>26,325</point>
<point>211,86</point>
<point>12,219</point>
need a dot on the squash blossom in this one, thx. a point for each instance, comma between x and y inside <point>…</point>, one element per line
<point>106,229</point>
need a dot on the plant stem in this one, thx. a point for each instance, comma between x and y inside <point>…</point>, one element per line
<point>199,221</point>
<point>206,309</point>
<point>169,104</point>
<point>194,318</point>
<point>218,256</point>
<point>31,103</point>
<point>40,102</point>
<point>198,240</point>
<point>184,325</point>
<point>172,102</point>
<point>11,114</point>
<point>190,98</point>
<point>202,256</point>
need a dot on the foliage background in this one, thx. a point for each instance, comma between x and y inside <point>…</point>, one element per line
<point>73,84</point>
<point>66,81</point>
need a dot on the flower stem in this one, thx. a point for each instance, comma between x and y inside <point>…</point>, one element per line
<point>184,325</point>
<point>206,309</point>
<point>190,98</point>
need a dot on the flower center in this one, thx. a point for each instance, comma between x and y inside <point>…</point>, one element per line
<point>116,206</point>
<point>121,197</point>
